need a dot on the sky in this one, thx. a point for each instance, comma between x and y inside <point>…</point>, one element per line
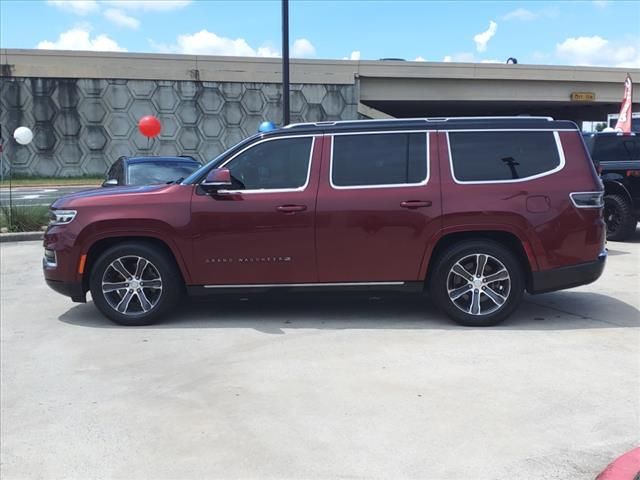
<point>601,32</point>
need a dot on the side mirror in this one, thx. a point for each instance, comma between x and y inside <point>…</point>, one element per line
<point>112,182</point>
<point>216,179</point>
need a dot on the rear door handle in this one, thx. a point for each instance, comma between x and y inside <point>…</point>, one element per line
<point>291,208</point>
<point>415,203</point>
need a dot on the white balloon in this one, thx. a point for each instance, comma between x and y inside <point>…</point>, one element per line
<point>23,135</point>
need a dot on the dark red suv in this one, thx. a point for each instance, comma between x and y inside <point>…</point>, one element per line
<point>473,210</point>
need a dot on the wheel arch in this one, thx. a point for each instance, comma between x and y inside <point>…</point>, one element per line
<point>616,187</point>
<point>519,247</point>
<point>97,247</point>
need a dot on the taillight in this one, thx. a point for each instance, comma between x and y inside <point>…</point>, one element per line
<point>587,199</point>
<point>633,173</point>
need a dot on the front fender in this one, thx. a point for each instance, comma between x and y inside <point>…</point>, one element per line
<point>177,242</point>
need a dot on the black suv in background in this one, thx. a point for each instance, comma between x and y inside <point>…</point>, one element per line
<point>149,170</point>
<point>617,157</point>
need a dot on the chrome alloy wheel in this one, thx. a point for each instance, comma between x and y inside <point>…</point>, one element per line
<point>131,285</point>
<point>478,284</point>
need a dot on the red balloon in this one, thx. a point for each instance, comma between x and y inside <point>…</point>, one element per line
<point>149,126</point>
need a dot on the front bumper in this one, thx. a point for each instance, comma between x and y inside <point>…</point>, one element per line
<point>68,289</point>
<point>60,262</point>
<point>567,277</point>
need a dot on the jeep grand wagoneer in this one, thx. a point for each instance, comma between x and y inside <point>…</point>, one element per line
<point>473,210</point>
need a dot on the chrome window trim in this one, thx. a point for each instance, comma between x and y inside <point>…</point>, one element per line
<point>272,190</point>
<point>319,284</point>
<point>383,185</point>
<point>510,130</point>
<point>556,136</point>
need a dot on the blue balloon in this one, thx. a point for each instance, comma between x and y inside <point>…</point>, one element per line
<point>266,127</point>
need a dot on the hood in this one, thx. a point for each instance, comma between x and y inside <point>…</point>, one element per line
<point>96,194</point>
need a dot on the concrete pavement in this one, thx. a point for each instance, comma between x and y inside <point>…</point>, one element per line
<point>317,387</point>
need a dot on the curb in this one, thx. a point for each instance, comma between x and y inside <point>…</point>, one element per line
<point>21,236</point>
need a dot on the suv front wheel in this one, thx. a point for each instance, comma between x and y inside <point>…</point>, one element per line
<point>134,283</point>
<point>477,283</point>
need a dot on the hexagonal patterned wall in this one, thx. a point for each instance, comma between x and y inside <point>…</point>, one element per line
<point>81,126</point>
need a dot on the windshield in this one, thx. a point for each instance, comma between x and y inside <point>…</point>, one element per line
<point>150,173</point>
<point>196,176</point>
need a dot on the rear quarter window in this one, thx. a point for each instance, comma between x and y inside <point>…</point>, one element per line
<point>503,156</point>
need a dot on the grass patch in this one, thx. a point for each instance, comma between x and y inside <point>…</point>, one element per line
<point>23,218</point>
<point>26,180</point>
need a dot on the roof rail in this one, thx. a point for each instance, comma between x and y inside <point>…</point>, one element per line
<point>425,119</point>
<point>511,117</point>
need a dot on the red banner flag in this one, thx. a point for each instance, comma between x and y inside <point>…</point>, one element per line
<point>624,120</point>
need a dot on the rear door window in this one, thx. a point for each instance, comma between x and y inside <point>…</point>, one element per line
<point>379,159</point>
<point>487,156</point>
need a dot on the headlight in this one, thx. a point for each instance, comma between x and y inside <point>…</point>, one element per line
<point>61,217</point>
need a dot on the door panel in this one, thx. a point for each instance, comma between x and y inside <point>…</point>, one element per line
<point>257,236</point>
<point>376,233</point>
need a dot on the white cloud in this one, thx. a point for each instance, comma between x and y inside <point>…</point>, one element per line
<point>482,39</point>
<point>468,57</point>
<point>79,7</point>
<point>355,55</point>
<point>419,59</point>
<point>79,39</point>
<point>464,57</point>
<point>525,15</point>
<point>205,42</point>
<point>149,5</point>
<point>601,3</point>
<point>120,18</point>
<point>302,48</point>
<point>520,14</point>
<point>599,51</point>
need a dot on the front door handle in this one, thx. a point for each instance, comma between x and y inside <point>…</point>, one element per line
<point>291,208</point>
<point>415,203</point>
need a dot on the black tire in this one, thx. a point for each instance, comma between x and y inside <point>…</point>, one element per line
<point>161,301</point>
<point>618,215</point>
<point>443,280</point>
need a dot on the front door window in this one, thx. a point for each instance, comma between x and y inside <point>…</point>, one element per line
<point>279,164</point>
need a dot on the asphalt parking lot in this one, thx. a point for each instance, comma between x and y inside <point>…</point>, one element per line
<point>319,387</point>
<point>32,196</point>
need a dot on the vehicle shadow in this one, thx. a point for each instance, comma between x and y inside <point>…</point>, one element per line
<point>634,239</point>
<point>622,248</point>
<point>567,310</point>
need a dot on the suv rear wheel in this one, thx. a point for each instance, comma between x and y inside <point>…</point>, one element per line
<point>134,283</point>
<point>618,215</point>
<point>477,283</point>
